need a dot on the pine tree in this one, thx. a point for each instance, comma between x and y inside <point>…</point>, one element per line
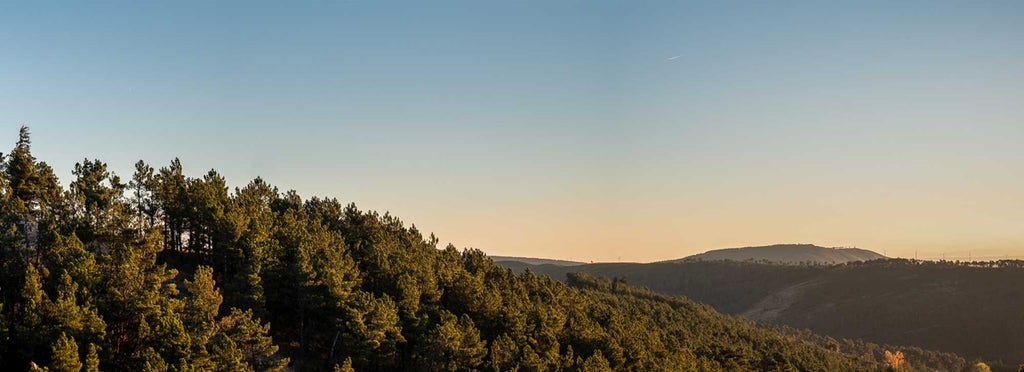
<point>251,339</point>
<point>97,192</point>
<point>92,359</point>
<point>250,232</point>
<point>199,314</point>
<point>202,304</point>
<point>345,366</point>
<point>596,363</point>
<point>67,314</point>
<point>21,169</point>
<point>65,355</point>
<point>453,344</point>
<point>142,203</point>
<point>30,333</point>
<point>169,192</point>
<point>227,356</point>
<point>33,183</point>
<point>371,331</point>
<point>503,354</point>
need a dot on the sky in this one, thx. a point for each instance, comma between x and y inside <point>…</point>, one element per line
<point>591,131</point>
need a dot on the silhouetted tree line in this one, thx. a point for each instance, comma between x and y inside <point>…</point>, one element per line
<point>895,262</point>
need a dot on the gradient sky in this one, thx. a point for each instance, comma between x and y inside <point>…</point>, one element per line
<point>594,131</point>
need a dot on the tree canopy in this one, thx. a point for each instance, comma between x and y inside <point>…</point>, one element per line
<point>172,273</point>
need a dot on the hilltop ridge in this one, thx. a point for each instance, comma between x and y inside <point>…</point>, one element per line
<point>787,254</point>
<point>535,261</point>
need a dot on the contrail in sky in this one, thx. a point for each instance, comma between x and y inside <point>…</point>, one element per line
<point>674,58</point>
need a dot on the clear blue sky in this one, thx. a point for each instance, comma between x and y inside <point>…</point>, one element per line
<point>585,130</point>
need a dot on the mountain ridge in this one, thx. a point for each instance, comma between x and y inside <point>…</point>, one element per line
<point>787,254</point>
<point>775,253</point>
<point>535,261</point>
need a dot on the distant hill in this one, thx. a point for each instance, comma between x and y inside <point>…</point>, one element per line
<point>973,309</point>
<point>788,254</point>
<point>535,261</point>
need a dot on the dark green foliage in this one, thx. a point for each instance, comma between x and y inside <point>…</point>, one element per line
<point>970,308</point>
<point>345,366</point>
<point>453,344</point>
<point>251,338</point>
<point>92,360</point>
<point>226,355</point>
<point>65,355</point>
<point>596,363</point>
<point>173,273</point>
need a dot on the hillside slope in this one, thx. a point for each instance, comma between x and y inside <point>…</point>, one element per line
<point>971,310</point>
<point>788,254</point>
<point>185,275</point>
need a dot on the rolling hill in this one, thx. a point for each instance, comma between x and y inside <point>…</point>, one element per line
<point>975,310</point>
<point>535,261</point>
<point>788,254</point>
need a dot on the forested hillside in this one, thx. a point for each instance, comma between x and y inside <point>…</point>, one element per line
<point>169,272</point>
<point>973,309</point>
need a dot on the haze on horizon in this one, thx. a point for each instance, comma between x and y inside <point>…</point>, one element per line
<point>592,131</point>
